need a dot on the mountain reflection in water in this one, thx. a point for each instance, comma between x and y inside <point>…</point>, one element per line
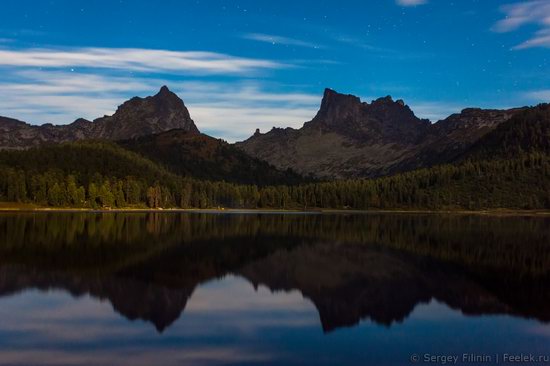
<point>351,267</point>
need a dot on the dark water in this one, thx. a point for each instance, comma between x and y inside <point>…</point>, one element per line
<point>202,289</point>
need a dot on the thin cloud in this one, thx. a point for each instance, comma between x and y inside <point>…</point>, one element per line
<point>135,59</point>
<point>235,112</point>
<point>382,52</point>
<point>538,96</point>
<point>540,39</point>
<point>246,92</point>
<point>280,40</point>
<point>411,2</point>
<point>231,110</point>
<point>358,42</point>
<point>238,123</point>
<point>434,111</point>
<point>58,97</point>
<point>527,13</point>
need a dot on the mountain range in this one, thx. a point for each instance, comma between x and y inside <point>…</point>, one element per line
<point>352,139</point>
<point>347,138</point>
<point>135,117</point>
<point>160,128</point>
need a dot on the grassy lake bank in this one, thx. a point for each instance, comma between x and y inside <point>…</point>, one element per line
<point>23,207</point>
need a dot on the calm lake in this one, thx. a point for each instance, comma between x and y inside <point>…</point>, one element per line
<point>275,289</point>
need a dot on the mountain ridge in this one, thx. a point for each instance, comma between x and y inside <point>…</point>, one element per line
<point>201,156</point>
<point>348,138</point>
<point>135,117</point>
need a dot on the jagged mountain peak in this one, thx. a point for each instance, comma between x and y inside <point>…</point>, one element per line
<point>167,96</point>
<point>164,90</point>
<point>332,97</point>
<point>6,122</point>
<point>81,122</point>
<point>351,138</point>
<point>135,117</point>
<point>383,100</point>
<point>336,106</point>
<point>388,101</point>
<point>380,120</point>
<point>164,99</point>
<point>142,116</point>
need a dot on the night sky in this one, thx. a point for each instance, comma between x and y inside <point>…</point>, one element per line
<point>242,65</point>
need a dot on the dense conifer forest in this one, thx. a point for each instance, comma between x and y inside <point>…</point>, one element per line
<point>104,175</point>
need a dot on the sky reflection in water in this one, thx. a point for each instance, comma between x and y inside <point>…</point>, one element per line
<point>312,300</point>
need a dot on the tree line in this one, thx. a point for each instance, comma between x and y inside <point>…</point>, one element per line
<point>102,175</point>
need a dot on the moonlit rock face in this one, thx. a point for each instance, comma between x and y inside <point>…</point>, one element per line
<point>144,116</point>
<point>136,117</point>
<point>349,138</point>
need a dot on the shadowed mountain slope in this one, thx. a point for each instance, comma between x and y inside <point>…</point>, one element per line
<point>350,139</point>
<point>204,157</point>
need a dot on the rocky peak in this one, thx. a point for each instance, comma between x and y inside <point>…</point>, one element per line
<point>168,98</point>
<point>381,120</point>
<point>336,107</point>
<point>387,100</point>
<point>332,98</point>
<point>136,117</point>
<point>164,91</point>
<point>387,103</point>
<point>6,122</point>
<point>81,122</point>
<point>394,112</point>
<point>163,101</point>
<point>349,138</point>
<point>141,116</point>
<point>472,119</point>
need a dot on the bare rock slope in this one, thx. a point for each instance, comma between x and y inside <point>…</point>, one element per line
<point>135,117</point>
<point>349,138</point>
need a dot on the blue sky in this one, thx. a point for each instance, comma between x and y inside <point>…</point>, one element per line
<point>241,65</point>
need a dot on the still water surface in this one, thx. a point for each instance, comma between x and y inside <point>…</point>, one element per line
<point>273,289</point>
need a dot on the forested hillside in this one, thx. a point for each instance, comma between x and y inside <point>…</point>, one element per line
<point>98,174</point>
<point>203,157</point>
<point>526,132</point>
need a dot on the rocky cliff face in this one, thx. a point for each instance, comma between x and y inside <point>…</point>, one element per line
<point>349,138</point>
<point>19,135</point>
<point>144,116</point>
<point>135,117</point>
<point>382,120</point>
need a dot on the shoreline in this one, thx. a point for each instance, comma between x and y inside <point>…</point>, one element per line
<point>491,212</point>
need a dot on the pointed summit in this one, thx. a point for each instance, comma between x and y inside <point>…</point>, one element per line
<point>143,116</point>
<point>346,138</point>
<point>383,100</point>
<point>333,99</point>
<point>337,107</point>
<point>165,94</point>
<point>164,90</point>
<point>382,119</point>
